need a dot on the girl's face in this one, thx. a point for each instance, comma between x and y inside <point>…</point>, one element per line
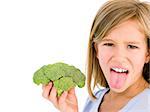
<point>122,55</point>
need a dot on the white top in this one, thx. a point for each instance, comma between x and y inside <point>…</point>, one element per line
<point>139,103</point>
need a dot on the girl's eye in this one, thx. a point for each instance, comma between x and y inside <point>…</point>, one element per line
<point>132,47</point>
<point>108,44</point>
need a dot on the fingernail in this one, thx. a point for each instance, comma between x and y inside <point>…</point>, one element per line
<point>50,84</point>
<point>65,92</point>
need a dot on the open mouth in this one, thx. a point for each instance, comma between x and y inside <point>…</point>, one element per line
<point>119,70</point>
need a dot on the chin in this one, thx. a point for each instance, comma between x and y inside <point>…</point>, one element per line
<point>118,90</point>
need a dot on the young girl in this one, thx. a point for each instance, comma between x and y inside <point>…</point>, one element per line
<point>118,60</point>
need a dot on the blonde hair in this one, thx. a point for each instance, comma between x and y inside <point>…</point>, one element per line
<point>112,13</point>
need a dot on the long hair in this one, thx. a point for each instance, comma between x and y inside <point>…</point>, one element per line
<point>111,14</point>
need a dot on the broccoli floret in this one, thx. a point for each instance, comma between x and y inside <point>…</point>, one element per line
<point>63,76</point>
<point>39,77</point>
<point>63,84</point>
<point>53,72</point>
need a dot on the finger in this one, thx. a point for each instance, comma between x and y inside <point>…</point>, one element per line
<point>71,91</point>
<point>53,96</point>
<point>62,98</point>
<point>71,97</point>
<point>46,90</point>
<point>71,94</point>
<point>44,85</point>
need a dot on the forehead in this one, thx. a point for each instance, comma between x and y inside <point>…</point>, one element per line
<point>127,30</point>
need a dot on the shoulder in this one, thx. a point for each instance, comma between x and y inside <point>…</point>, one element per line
<point>143,101</point>
<point>148,90</point>
<point>140,103</point>
<point>100,92</point>
<point>92,104</point>
<point>143,97</point>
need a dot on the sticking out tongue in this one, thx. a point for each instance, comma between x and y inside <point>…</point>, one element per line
<point>117,80</point>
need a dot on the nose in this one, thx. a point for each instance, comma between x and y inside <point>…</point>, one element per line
<point>120,53</point>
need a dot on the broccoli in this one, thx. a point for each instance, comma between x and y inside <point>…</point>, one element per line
<point>63,76</point>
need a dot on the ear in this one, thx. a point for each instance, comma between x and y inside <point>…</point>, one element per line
<point>148,56</point>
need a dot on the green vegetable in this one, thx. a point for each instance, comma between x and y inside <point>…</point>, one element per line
<point>63,76</point>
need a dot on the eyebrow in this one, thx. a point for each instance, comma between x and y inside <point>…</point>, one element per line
<point>130,42</point>
<point>106,40</point>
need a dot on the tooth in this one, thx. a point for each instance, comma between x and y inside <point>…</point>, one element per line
<point>119,70</point>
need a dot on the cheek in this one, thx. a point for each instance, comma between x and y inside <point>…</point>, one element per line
<point>138,62</point>
<point>104,56</point>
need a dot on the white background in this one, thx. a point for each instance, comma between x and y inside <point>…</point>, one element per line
<point>38,32</point>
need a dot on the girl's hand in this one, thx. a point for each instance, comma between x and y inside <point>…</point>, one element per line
<point>67,102</point>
